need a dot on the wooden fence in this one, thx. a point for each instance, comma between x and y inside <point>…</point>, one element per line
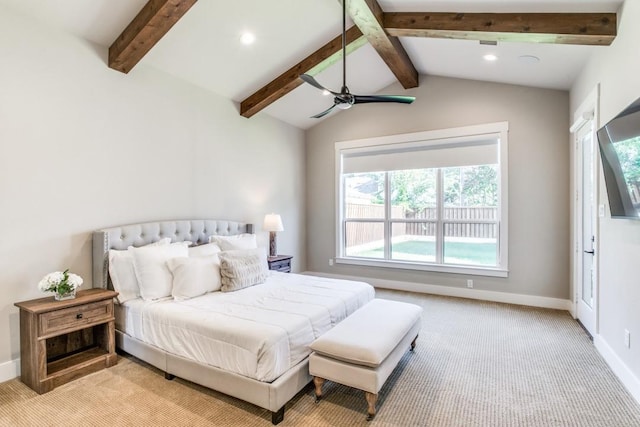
<point>359,233</point>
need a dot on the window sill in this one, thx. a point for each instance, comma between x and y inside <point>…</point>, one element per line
<point>403,265</point>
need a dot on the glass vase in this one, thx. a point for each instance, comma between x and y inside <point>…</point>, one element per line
<point>65,296</point>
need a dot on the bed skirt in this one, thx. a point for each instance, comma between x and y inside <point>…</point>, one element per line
<point>268,395</point>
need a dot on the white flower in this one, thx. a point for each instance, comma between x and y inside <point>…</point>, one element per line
<point>43,285</point>
<point>51,280</point>
<point>60,281</point>
<point>75,281</point>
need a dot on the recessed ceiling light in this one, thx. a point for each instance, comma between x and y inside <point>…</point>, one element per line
<point>490,57</point>
<point>528,59</point>
<point>325,92</point>
<point>247,38</point>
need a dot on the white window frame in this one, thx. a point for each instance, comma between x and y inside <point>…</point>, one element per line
<point>497,130</point>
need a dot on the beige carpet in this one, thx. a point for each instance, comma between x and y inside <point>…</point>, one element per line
<point>476,364</point>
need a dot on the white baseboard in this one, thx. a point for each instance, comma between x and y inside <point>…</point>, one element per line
<point>9,370</point>
<point>530,300</point>
<point>622,371</point>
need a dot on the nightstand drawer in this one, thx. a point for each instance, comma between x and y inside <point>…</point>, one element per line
<point>75,317</point>
<point>284,265</point>
<point>280,263</point>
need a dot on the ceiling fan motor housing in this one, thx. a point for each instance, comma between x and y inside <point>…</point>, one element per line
<point>344,100</point>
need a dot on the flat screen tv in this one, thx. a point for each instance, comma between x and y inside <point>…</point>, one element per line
<point>619,142</point>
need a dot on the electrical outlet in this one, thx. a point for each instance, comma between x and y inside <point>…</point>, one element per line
<point>627,338</point>
<point>469,283</point>
<point>330,262</point>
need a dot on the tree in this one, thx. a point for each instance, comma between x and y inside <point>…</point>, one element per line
<point>629,156</point>
<point>471,186</point>
<point>415,189</point>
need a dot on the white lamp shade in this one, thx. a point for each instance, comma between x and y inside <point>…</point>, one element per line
<point>272,222</point>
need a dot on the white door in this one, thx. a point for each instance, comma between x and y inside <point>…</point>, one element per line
<point>587,295</point>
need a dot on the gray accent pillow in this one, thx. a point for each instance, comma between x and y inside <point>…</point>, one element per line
<point>242,268</point>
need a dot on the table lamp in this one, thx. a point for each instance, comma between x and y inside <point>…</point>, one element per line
<point>272,224</point>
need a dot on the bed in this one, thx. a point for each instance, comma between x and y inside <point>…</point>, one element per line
<point>252,344</point>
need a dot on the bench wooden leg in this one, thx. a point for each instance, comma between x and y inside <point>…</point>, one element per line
<point>413,343</point>
<point>317,381</point>
<point>371,403</point>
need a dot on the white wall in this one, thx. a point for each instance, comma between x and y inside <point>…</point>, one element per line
<point>617,69</point>
<point>84,147</point>
<point>538,179</point>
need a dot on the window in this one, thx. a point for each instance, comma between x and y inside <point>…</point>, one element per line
<point>431,200</point>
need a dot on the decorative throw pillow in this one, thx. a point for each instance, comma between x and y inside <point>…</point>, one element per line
<point>123,275</point>
<point>204,250</point>
<point>242,268</point>
<point>150,264</point>
<point>239,241</point>
<point>195,276</point>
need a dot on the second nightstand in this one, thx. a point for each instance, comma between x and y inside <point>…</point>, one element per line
<point>280,263</point>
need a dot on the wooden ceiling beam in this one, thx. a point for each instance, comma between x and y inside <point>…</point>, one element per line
<point>559,28</point>
<point>154,20</point>
<point>313,64</point>
<point>368,16</point>
<point>383,29</point>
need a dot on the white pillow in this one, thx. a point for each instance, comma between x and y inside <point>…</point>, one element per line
<point>204,250</point>
<point>150,264</point>
<point>123,276</point>
<point>195,276</point>
<point>242,268</point>
<point>239,241</point>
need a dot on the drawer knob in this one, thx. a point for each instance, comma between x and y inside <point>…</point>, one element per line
<point>79,316</point>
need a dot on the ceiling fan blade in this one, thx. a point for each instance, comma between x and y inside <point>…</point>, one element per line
<point>363,99</point>
<point>344,99</point>
<point>324,113</point>
<point>313,82</point>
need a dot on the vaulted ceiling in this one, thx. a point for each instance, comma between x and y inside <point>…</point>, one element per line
<point>392,40</point>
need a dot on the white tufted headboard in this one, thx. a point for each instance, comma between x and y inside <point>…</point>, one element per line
<point>120,238</point>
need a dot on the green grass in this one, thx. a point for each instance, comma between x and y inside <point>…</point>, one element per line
<point>454,252</point>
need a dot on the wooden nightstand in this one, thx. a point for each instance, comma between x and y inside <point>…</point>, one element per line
<point>280,263</point>
<point>64,340</point>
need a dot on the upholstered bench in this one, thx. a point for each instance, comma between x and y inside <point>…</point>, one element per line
<point>363,349</point>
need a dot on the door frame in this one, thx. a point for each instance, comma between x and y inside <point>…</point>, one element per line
<point>587,114</point>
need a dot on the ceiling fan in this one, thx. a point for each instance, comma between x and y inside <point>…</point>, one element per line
<point>344,99</point>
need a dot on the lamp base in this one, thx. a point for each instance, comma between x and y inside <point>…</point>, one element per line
<point>273,250</point>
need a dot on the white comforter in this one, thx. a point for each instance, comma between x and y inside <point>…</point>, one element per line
<point>259,332</point>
